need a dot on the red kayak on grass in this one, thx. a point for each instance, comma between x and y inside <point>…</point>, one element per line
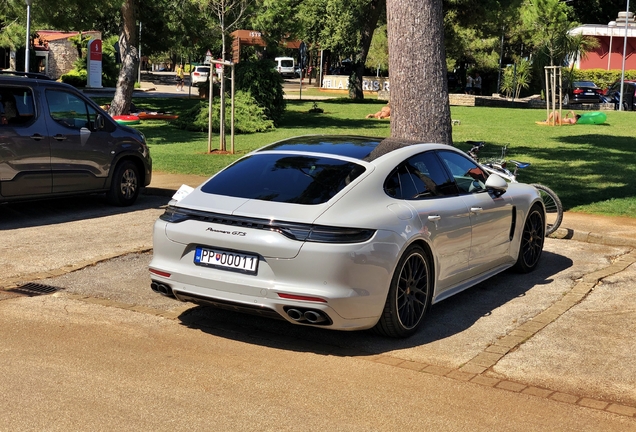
<point>144,115</point>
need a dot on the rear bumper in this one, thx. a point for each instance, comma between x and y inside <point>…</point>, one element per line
<point>347,282</point>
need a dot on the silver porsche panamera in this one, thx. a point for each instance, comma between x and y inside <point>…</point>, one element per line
<point>344,232</point>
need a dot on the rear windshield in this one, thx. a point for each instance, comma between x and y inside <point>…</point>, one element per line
<point>284,178</point>
<point>203,69</point>
<point>287,63</point>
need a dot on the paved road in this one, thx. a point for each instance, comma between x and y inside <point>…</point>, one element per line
<point>549,351</point>
<point>160,84</point>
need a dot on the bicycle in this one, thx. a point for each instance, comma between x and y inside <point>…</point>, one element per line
<point>499,166</point>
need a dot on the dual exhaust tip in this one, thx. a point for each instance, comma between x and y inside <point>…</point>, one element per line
<point>308,316</point>
<point>161,288</point>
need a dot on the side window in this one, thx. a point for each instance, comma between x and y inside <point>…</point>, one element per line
<point>16,106</point>
<point>69,110</point>
<point>469,177</point>
<point>419,177</point>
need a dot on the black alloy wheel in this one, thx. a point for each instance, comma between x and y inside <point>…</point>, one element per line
<point>532,238</point>
<point>409,295</point>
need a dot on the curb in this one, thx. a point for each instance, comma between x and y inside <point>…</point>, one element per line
<point>588,237</point>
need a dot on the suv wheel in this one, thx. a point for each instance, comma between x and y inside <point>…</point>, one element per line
<point>124,189</point>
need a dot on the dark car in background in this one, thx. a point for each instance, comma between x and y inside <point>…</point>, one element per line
<point>54,141</point>
<point>583,92</point>
<point>613,94</point>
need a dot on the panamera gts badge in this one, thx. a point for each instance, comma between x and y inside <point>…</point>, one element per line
<point>236,233</point>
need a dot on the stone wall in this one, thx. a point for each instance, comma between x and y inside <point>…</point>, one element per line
<point>62,55</point>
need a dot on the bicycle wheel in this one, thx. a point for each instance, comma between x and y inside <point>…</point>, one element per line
<point>553,208</point>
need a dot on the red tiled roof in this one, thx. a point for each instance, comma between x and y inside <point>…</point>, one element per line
<point>53,35</point>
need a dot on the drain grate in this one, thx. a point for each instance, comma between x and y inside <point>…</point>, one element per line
<point>32,289</point>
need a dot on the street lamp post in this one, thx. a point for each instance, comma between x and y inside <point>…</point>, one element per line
<point>611,25</point>
<point>620,103</point>
<point>28,36</point>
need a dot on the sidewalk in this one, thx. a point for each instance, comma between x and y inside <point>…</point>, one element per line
<point>605,230</point>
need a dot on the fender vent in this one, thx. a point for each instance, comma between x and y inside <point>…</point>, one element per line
<point>32,289</point>
<point>513,225</point>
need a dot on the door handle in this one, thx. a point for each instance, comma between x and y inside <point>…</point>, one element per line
<point>37,137</point>
<point>434,218</point>
<point>59,137</point>
<point>476,209</point>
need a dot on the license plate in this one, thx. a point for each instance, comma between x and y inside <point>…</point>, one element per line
<point>226,260</point>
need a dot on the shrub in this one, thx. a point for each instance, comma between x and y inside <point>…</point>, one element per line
<point>265,84</point>
<point>248,116</point>
<point>601,77</point>
<point>76,78</point>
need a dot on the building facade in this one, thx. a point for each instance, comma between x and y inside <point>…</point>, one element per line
<point>612,38</point>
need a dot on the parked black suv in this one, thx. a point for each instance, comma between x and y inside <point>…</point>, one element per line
<point>55,141</point>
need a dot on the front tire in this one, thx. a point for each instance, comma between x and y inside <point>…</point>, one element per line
<point>124,188</point>
<point>409,295</point>
<point>531,245</point>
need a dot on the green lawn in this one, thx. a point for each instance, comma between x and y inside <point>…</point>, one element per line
<point>591,167</point>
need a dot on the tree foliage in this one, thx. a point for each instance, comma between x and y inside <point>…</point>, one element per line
<point>379,50</point>
<point>547,23</point>
<point>249,117</point>
<point>473,30</point>
<point>264,84</point>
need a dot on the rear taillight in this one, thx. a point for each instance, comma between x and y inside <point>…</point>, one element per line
<point>291,230</point>
<point>301,297</point>
<point>196,74</point>
<point>323,234</point>
<point>173,215</point>
<point>159,273</point>
<point>577,91</point>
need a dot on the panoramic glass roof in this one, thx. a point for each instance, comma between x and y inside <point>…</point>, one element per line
<point>354,147</point>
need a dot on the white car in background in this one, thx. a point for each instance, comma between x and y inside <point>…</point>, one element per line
<point>286,66</point>
<point>345,233</point>
<point>199,74</point>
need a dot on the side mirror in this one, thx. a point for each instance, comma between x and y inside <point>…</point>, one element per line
<point>496,184</point>
<point>99,122</point>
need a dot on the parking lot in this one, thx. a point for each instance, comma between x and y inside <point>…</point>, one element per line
<point>562,335</point>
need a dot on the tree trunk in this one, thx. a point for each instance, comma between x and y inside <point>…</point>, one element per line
<point>375,9</point>
<point>417,68</point>
<point>222,143</point>
<point>129,61</point>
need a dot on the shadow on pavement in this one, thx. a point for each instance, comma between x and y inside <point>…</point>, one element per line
<point>27,214</point>
<point>445,319</point>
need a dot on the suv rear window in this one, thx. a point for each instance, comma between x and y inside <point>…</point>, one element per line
<point>16,105</point>
<point>287,178</point>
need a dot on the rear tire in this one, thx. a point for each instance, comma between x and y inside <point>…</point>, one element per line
<point>124,188</point>
<point>553,208</point>
<point>409,295</point>
<point>531,245</point>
